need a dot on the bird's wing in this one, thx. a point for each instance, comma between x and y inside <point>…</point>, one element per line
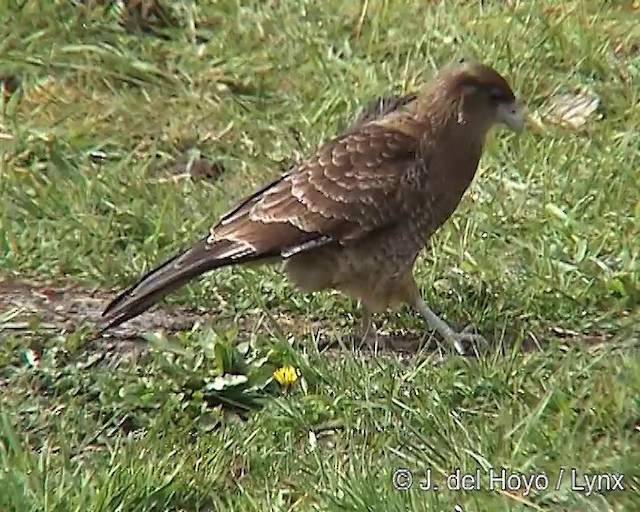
<point>352,186</point>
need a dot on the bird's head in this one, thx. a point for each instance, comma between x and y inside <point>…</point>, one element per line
<point>480,94</point>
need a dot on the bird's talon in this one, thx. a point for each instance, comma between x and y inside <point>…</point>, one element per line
<point>467,342</point>
<point>469,329</point>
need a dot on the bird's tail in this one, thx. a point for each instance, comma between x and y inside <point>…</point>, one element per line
<point>171,275</point>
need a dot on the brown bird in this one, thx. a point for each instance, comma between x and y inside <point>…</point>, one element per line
<point>355,215</point>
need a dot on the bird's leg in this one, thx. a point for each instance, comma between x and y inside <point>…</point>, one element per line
<point>450,336</point>
<point>411,294</point>
<point>366,325</point>
<point>368,332</point>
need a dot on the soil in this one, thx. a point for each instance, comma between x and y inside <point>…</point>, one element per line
<point>60,309</point>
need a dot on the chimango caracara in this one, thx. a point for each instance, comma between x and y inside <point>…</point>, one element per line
<point>354,215</point>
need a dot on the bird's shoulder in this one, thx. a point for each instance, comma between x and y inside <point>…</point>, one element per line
<point>371,151</point>
<point>352,184</point>
<point>374,154</point>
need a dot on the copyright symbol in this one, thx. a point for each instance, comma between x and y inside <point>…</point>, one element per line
<point>402,479</point>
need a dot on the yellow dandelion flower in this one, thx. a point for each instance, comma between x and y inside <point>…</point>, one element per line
<point>286,375</point>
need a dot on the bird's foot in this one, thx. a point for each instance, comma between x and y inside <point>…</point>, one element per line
<point>467,341</point>
<point>460,340</point>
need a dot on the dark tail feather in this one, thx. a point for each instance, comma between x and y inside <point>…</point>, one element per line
<point>170,276</point>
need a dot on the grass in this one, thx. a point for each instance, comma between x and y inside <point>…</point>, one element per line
<point>545,243</point>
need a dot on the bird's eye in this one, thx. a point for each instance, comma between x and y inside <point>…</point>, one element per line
<point>496,94</point>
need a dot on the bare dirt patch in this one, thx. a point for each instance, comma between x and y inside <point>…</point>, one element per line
<point>27,307</point>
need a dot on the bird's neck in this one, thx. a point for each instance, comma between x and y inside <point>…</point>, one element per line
<point>453,145</point>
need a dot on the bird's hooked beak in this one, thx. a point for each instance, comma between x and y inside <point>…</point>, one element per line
<point>512,115</point>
